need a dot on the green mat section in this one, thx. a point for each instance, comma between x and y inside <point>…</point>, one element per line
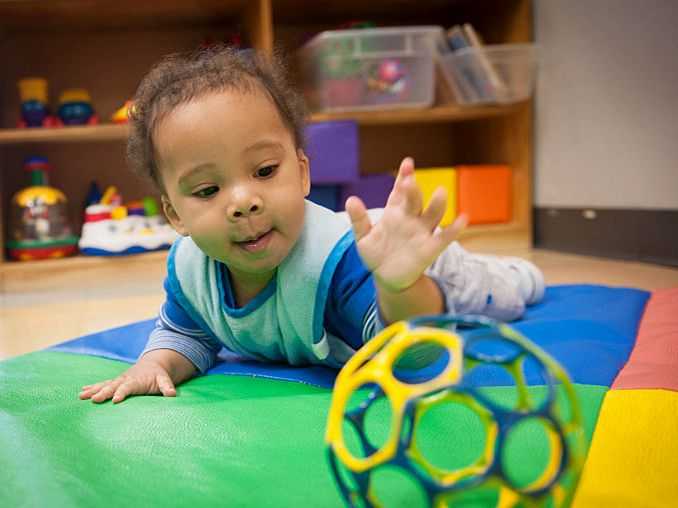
<point>223,441</point>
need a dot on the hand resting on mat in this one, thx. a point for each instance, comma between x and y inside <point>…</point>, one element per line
<point>156,372</point>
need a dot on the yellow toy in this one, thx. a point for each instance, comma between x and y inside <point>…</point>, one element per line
<point>121,114</point>
<point>429,362</point>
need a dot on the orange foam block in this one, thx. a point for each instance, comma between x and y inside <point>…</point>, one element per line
<point>429,179</point>
<point>485,193</point>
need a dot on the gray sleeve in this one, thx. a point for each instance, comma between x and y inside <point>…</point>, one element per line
<point>473,285</point>
<point>200,349</point>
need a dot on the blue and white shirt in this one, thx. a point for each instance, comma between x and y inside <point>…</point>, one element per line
<point>318,309</point>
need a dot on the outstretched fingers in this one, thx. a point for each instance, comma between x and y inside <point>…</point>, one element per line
<point>405,188</point>
<point>450,233</point>
<point>436,209</point>
<point>444,236</point>
<point>360,220</point>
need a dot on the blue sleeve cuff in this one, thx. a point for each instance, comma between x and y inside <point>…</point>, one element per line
<point>200,350</point>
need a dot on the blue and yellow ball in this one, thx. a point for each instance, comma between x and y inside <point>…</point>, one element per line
<point>414,367</point>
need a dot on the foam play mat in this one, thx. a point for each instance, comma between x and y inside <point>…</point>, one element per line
<point>250,434</point>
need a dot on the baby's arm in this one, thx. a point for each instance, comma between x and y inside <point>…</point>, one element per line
<point>400,247</point>
<point>177,349</point>
<point>156,372</point>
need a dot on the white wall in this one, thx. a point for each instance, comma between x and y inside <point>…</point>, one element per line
<point>607,104</point>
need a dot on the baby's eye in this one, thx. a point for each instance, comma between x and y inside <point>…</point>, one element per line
<point>206,192</point>
<point>266,171</point>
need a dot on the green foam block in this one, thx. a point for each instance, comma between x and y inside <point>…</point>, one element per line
<point>223,441</point>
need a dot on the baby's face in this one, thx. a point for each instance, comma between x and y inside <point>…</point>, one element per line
<point>234,180</point>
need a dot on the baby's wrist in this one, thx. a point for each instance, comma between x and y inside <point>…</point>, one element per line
<point>394,287</point>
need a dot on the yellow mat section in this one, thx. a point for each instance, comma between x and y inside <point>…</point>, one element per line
<point>633,459</point>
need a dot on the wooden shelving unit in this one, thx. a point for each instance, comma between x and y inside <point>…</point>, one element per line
<point>116,132</point>
<point>107,46</point>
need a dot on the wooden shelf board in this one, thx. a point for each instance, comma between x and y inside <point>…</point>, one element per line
<point>437,114</point>
<point>104,132</point>
<point>112,132</point>
<point>488,229</point>
<point>20,268</point>
<point>41,15</point>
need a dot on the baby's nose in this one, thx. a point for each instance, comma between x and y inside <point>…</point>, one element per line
<point>245,207</point>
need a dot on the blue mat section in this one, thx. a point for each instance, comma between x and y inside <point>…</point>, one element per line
<point>589,329</point>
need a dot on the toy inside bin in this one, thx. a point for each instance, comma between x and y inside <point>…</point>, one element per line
<point>495,74</point>
<point>38,222</point>
<point>370,69</point>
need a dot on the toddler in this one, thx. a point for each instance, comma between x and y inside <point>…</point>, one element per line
<point>259,269</point>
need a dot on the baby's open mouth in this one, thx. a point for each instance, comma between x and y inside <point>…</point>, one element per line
<point>256,243</point>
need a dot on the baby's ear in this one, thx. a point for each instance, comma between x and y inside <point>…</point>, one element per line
<point>172,216</point>
<point>305,168</point>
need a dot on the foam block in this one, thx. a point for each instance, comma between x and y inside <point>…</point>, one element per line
<point>333,150</point>
<point>633,459</point>
<point>654,360</point>
<point>327,196</point>
<point>485,193</point>
<point>599,320</point>
<point>429,179</point>
<point>372,189</point>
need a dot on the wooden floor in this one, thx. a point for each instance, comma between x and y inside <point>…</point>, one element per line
<point>55,301</point>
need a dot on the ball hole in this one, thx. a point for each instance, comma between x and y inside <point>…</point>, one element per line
<point>367,421</point>
<point>451,436</point>
<point>526,453</point>
<point>393,486</point>
<point>421,362</point>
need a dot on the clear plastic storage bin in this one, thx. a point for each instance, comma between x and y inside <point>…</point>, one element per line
<point>500,74</point>
<point>368,69</point>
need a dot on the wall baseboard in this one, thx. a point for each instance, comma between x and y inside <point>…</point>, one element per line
<point>640,235</point>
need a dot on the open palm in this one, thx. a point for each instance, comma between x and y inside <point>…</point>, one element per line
<point>406,240</point>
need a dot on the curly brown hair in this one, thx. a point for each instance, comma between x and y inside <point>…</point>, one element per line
<point>182,77</point>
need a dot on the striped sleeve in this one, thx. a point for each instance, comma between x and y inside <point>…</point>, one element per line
<point>373,323</point>
<point>175,330</point>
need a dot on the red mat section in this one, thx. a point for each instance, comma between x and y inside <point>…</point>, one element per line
<point>654,359</point>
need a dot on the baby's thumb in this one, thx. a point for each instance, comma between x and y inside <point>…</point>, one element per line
<point>165,385</point>
<point>360,220</point>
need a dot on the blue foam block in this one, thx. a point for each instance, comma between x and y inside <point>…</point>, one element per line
<point>590,330</point>
<point>326,195</point>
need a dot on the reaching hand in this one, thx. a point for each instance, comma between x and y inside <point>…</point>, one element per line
<point>405,242</point>
<point>144,378</point>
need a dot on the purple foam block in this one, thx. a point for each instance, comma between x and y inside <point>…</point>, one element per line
<point>333,150</point>
<point>372,189</point>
